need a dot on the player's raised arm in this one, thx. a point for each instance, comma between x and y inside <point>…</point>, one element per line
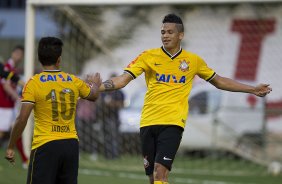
<point>231,85</point>
<point>116,82</point>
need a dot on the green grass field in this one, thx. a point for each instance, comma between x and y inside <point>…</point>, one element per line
<point>129,170</point>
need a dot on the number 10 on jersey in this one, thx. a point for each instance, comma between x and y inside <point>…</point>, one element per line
<point>66,103</point>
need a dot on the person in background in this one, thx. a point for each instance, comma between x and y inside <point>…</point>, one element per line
<point>110,104</point>
<point>86,120</point>
<point>169,73</point>
<point>9,97</point>
<point>53,95</point>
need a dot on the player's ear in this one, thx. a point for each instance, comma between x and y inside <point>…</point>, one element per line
<point>58,61</point>
<point>181,35</point>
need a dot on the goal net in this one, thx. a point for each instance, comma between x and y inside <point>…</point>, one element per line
<point>226,133</point>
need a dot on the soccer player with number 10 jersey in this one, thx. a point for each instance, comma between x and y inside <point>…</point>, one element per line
<point>53,95</point>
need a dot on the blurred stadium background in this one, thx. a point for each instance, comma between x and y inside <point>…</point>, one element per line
<point>240,39</point>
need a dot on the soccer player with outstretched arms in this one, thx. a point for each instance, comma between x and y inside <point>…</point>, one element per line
<point>169,72</point>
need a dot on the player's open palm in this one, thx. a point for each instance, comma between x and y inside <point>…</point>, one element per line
<point>262,89</point>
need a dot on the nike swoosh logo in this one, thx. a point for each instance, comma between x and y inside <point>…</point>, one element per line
<point>157,64</point>
<point>165,158</point>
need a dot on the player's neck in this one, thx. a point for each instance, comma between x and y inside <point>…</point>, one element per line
<point>172,51</point>
<point>51,67</point>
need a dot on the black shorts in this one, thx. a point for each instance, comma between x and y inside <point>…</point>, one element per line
<point>55,162</point>
<point>159,145</point>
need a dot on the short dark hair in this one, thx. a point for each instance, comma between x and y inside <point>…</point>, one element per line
<point>18,47</point>
<point>49,50</point>
<point>172,18</point>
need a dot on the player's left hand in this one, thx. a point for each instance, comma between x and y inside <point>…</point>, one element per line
<point>262,89</point>
<point>10,156</point>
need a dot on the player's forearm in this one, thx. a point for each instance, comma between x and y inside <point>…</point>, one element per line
<point>116,82</point>
<point>94,93</point>
<point>16,132</point>
<point>111,84</point>
<point>232,85</point>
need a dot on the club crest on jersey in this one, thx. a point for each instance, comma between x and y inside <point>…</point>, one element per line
<point>184,66</point>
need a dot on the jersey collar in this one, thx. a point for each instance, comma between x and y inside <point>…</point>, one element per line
<point>171,56</point>
<point>51,70</point>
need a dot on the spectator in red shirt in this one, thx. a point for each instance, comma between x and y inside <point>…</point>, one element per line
<point>9,97</point>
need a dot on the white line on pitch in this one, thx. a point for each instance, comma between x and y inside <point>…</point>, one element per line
<point>129,175</point>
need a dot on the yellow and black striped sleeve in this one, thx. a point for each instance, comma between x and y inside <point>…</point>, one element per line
<point>137,66</point>
<point>204,71</point>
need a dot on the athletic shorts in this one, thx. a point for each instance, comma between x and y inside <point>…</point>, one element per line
<point>55,162</point>
<point>159,144</point>
<point>7,119</point>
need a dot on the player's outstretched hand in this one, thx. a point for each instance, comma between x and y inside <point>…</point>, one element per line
<point>94,79</point>
<point>10,156</point>
<point>262,89</point>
